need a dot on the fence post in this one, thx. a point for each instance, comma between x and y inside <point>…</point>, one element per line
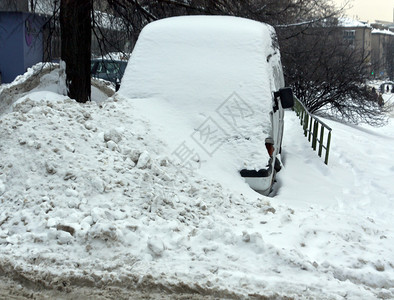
<point>328,147</point>
<point>301,116</point>
<point>321,140</point>
<point>310,129</point>
<point>314,139</point>
<point>306,119</point>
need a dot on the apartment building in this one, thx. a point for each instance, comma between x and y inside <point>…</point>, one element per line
<point>376,40</point>
<point>382,37</point>
<point>358,35</point>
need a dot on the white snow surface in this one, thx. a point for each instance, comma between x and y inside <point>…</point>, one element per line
<point>89,197</point>
<point>86,196</point>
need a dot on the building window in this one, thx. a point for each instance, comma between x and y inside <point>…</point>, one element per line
<point>349,34</point>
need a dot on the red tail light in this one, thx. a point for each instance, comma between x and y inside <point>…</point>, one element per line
<point>270,148</point>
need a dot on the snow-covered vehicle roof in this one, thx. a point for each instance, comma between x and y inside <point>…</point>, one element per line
<point>209,79</point>
<point>203,58</point>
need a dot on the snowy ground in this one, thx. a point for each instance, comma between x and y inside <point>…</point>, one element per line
<point>89,200</point>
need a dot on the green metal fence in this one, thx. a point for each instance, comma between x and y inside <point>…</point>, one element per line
<point>318,133</point>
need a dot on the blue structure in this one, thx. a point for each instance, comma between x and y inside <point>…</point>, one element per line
<point>21,43</point>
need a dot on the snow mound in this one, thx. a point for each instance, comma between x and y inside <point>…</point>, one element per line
<point>74,184</point>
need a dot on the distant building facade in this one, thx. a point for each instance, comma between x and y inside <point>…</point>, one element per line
<point>383,50</point>
<point>376,40</point>
<point>358,35</point>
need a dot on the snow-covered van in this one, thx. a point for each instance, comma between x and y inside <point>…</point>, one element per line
<point>212,88</point>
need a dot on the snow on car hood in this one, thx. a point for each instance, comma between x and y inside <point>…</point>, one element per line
<point>205,83</point>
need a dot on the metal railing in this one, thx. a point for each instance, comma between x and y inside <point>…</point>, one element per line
<point>314,129</point>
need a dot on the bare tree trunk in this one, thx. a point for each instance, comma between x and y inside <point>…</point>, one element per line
<point>75,25</point>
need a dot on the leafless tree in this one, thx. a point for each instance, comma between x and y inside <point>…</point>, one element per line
<point>124,19</point>
<point>327,74</point>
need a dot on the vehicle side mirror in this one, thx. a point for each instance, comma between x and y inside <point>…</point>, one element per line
<point>286,97</point>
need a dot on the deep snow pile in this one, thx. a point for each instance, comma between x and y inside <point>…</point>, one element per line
<point>82,198</point>
<point>87,198</point>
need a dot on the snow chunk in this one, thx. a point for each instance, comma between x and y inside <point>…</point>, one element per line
<point>115,135</point>
<point>51,167</point>
<point>105,231</point>
<point>143,160</point>
<point>156,246</point>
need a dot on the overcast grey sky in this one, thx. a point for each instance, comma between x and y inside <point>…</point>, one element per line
<point>370,10</point>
